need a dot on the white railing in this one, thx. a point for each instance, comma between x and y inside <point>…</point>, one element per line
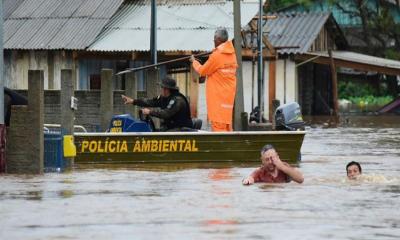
<point>76,127</point>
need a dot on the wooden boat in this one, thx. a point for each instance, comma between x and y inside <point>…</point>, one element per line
<point>185,147</point>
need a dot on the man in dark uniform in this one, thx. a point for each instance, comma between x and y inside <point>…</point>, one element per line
<point>172,106</point>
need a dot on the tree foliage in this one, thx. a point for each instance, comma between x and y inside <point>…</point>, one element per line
<point>279,4</point>
<point>378,31</point>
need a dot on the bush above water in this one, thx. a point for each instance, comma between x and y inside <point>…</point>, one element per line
<point>363,94</point>
<point>371,100</point>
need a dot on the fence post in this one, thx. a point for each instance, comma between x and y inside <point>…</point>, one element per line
<point>131,91</point>
<point>67,113</point>
<point>36,109</point>
<point>106,98</point>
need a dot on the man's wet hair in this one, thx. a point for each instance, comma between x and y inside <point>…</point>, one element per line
<point>267,148</point>
<point>222,34</point>
<point>353,163</point>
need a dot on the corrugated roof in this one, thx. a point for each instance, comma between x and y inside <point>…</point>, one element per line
<point>181,26</point>
<point>361,58</point>
<point>297,31</point>
<point>9,7</point>
<point>55,24</point>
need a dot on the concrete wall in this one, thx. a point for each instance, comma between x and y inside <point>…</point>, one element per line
<point>25,140</point>
<point>88,113</point>
<point>20,143</point>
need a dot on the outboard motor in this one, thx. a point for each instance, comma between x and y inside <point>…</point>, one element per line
<point>126,123</point>
<point>288,117</point>
<point>197,123</point>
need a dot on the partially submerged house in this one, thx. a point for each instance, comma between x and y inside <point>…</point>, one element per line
<point>301,69</point>
<point>292,35</point>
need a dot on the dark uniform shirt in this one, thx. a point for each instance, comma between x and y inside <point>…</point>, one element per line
<point>174,110</point>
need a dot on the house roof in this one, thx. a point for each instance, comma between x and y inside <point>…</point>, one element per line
<point>182,25</point>
<point>55,24</point>
<point>354,60</point>
<point>298,31</point>
<point>362,58</point>
<point>295,30</point>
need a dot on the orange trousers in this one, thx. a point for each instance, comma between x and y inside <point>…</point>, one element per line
<point>221,127</point>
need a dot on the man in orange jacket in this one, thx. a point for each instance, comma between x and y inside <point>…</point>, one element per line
<point>220,70</point>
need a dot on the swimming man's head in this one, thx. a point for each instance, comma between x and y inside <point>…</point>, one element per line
<point>353,170</point>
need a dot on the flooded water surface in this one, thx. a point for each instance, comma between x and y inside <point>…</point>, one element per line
<point>212,203</point>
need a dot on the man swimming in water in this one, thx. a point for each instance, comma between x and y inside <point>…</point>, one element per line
<point>353,170</point>
<point>273,170</point>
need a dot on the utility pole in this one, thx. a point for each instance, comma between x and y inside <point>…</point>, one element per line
<point>153,32</point>
<point>152,75</point>
<point>2,125</point>
<point>260,68</point>
<point>239,99</point>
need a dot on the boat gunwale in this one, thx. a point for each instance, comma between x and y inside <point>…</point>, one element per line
<point>205,133</point>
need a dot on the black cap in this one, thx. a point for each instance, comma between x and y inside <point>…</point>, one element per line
<point>169,83</point>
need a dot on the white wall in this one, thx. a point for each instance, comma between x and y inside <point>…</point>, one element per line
<point>202,106</point>
<point>247,86</point>
<point>286,83</point>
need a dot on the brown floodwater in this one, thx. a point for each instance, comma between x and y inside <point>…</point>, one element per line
<point>211,203</point>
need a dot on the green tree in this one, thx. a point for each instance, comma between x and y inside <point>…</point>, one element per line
<point>278,4</point>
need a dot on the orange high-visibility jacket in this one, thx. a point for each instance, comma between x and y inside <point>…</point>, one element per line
<point>220,70</point>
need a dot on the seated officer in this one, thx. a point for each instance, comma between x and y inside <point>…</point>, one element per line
<point>172,106</point>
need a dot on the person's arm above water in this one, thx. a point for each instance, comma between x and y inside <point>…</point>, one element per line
<point>252,178</point>
<point>145,102</point>
<point>293,173</point>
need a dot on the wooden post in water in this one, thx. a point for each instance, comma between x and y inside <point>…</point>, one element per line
<point>67,113</point>
<point>2,110</point>
<point>271,87</point>
<point>106,98</point>
<point>239,99</point>
<point>193,92</point>
<point>334,85</point>
<point>131,91</point>
<point>36,108</point>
